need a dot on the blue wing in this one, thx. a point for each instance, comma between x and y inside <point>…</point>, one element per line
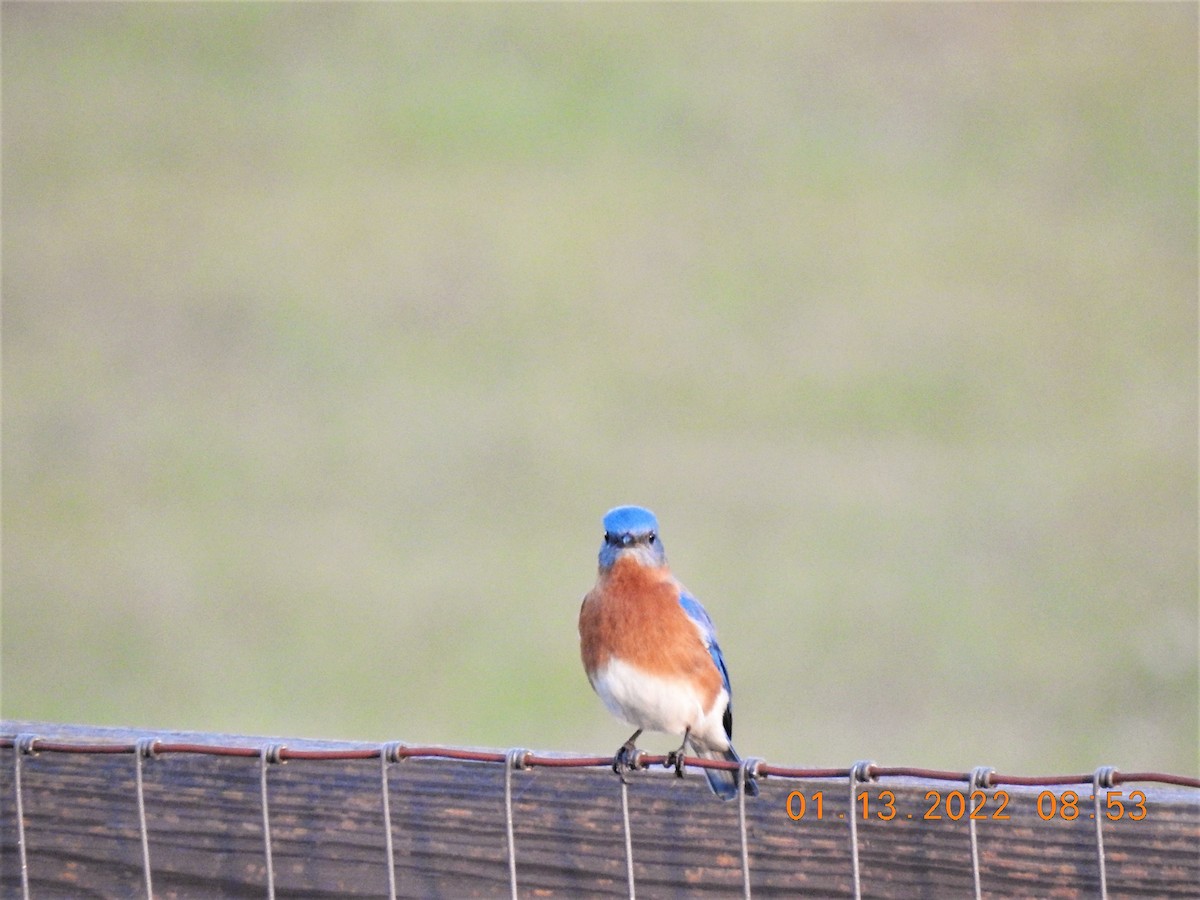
<point>696,613</point>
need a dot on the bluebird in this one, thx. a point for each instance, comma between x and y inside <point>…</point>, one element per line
<point>651,653</point>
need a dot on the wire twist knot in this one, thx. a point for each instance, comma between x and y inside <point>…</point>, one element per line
<point>147,747</point>
<point>749,769</point>
<point>861,770</point>
<point>518,758</point>
<point>981,777</point>
<point>24,744</point>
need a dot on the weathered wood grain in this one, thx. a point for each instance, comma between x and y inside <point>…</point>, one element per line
<point>204,821</point>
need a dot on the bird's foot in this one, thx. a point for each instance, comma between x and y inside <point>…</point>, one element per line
<point>675,757</point>
<point>675,760</point>
<point>626,759</point>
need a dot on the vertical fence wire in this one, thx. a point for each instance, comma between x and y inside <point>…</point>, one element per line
<point>859,772</point>
<point>1103,778</point>
<point>23,745</point>
<point>746,772</point>
<point>981,779</point>
<point>144,750</point>
<point>388,754</point>
<point>270,754</point>
<point>628,839</point>
<point>514,759</point>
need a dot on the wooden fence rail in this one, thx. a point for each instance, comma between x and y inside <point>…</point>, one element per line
<point>204,821</point>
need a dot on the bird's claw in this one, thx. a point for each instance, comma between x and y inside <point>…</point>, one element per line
<point>625,760</point>
<point>675,759</point>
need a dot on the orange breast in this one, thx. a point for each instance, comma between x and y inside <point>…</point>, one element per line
<point>633,613</point>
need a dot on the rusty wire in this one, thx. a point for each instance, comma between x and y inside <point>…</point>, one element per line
<point>533,761</point>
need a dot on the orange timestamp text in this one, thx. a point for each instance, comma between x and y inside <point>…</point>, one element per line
<point>977,806</point>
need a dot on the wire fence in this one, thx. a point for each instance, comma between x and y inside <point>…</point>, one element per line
<point>870,797</point>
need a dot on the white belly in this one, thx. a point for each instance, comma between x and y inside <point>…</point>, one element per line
<point>654,703</point>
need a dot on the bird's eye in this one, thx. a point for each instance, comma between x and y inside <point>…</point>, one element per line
<point>653,537</point>
<point>607,537</point>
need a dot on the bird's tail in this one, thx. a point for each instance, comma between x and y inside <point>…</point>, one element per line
<point>724,783</point>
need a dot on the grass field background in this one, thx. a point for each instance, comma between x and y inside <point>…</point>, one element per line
<point>331,332</point>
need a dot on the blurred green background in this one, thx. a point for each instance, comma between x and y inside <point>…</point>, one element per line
<point>330,332</point>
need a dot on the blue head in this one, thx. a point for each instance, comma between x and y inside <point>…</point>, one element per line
<point>631,531</point>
